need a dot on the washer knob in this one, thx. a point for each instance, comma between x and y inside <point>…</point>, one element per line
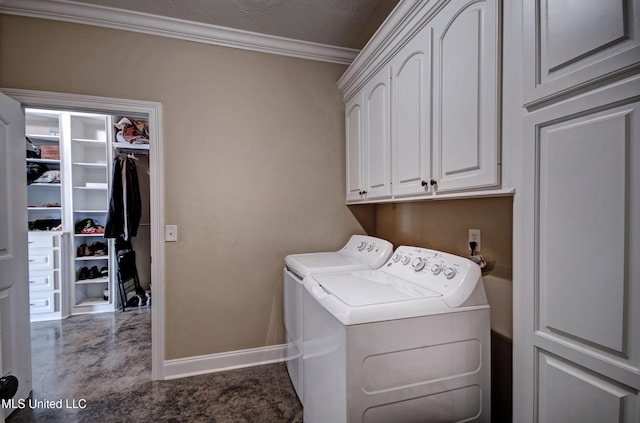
<point>405,260</point>
<point>436,269</point>
<point>396,258</point>
<point>449,272</point>
<point>362,246</point>
<point>419,264</point>
<point>371,247</point>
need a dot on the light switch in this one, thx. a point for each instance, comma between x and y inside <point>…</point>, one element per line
<point>170,233</point>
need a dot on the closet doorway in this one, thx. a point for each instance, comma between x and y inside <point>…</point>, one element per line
<point>152,222</point>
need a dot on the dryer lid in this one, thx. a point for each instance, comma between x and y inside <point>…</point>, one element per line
<point>369,288</point>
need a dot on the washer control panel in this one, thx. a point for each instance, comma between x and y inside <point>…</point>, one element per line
<point>437,271</point>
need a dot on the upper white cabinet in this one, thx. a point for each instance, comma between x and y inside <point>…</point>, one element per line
<point>367,120</point>
<point>465,96</point>
<point>570,44</point>
<point>425,91</point>
<point>410,116</point>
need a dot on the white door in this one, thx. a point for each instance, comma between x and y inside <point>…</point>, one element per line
<point>353,123</point>
<point>465,95</point>
<point>377,136</point>
<point>410,116</point>
<point>14,290</point>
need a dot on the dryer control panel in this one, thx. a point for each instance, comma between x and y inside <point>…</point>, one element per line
<point>372,250</point>
<point>455,278</point>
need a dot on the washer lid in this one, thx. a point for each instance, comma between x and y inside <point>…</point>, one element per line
<point>368,288</point>
<point>304,264</point>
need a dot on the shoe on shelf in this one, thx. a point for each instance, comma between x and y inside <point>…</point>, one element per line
<point>94,272</point>
<point>104,272</point>
<point>83,251</point>
<point>98,248</point>
<point>84,274</point>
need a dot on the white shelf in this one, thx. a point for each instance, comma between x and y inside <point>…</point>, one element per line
<point>44,208</point>
<point>87,211</point>
<point>51,138</point>
<point>125,145</point>
<point>44,161</point>
<point>92,258</point>
<point>89,141</point>
<point>89,235</point>
<point>85,164</point>
<point>92,281</point>
<point>92,188</point>
<point>92,301</point>
<point>35,184</point>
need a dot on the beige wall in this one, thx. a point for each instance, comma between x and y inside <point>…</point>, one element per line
<point>444,224</point>
<point>254,163</point>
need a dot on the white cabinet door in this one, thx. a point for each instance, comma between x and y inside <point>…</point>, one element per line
<point>465,96</point>
<point>410,117</point>
<point>377,137</point>
<point>578,355</point>
<point>354,151</point>
<point>569,43</point>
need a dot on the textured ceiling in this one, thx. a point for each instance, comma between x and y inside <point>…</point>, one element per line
<point>342,23</point>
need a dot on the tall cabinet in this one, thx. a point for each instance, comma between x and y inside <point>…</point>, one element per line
<point>577,221</point>
<point>47,240</point>
<point>88,202</point>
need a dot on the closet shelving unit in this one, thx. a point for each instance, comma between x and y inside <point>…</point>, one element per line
<point>47,299</point>
<point>42,127</point>
<point>89,167</point>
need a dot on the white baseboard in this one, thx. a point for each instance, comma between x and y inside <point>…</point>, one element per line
<point>198,365</point>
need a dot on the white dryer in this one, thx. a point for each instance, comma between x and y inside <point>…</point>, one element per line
<point>408,342</point>
<point>359,253</point>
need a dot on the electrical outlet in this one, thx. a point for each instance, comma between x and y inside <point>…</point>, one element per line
<point>171,233</point>
<point>474,236</point>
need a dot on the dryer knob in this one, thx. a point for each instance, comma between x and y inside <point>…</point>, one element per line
<point>436,269</point>
<point>362,246</point>
<point>405,260</point>
<point>396,258</point>
<point>449,272</point>
<point>371,247</point>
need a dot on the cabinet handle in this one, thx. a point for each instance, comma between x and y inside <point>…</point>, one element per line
<point>424,183</point>
<point>433,182</point>
<point>364,192</point>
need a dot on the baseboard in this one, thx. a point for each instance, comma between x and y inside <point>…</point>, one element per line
<point>198,365</point>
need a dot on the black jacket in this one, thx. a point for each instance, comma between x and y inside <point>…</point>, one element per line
<point>125,207</point>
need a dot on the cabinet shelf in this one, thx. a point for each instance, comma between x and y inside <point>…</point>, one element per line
<point>89,211</point>
<point>36,208</point>
<point>44,161</point>
<point>92,301</point>
<point>127,146</point>
<point>92,188</point>
<point>92,281</point>
<point>35,184</point>
<point>50,138</point>
<point>89,140</point>
<point>88,164</point>
<point>89,235</point>
<point>92,258</point>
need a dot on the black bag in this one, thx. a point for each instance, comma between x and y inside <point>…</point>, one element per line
<point>34,171</point>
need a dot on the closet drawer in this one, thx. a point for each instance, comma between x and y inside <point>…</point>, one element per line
<point>43,260</point>
<point>43,240</point>
<point>42,303</point>
<point>43,280</point>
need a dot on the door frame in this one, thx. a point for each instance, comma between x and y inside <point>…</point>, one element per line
<point>65,101</point>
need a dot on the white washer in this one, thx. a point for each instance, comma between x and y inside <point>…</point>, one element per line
<point>408,342</point>
<point>359,253</point>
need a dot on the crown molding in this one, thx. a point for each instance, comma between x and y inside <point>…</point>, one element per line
<point>88,14</point>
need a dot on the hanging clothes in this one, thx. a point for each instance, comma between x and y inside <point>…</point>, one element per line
<point>125,206</point>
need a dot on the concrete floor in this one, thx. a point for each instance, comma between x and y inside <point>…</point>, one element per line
<point>102,362</point>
